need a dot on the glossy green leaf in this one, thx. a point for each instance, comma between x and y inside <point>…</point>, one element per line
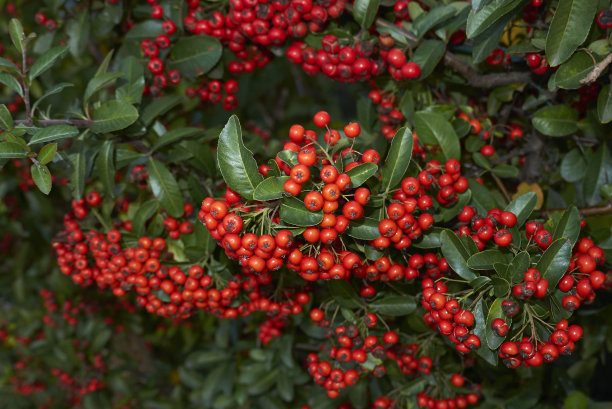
<point>598,172</point>
<point>6,119</point>
<point>293,211</point>
<point>479,21</point>
<point>8,65</point>
<point>480,329</point>
<point>397,160</point>
<point>54,133</point>
<point>113,116</point>
<point>99,82</point>
<point>165,188</point>
<point>10,150</point>
<point>46,61</point>
<point>481,197</point>
<point>47,153</point>
<point>144,213</point>
<point>494,340</point>
<point>569,225</point>
<point>484,260</point>
<point>488,40</point>
<point>604,104</point>
<point>236,162</point>
<point>195,55</point>
<point>433,128</point>
<point>554,262</point>
<point>175,135</point>
<point>132,82</point>
<point>506,171</point>
<point>105,164</point>
<point>517,267</point>
<point>427,55</point>
<point>51,91</point>
<point>11,82</point>
<point>78,28</point>
<point>15,30</point>
<point>394,305</point>
<point>41,177</point>
<point>556,120</point>
<point>158,107</point>
<point>436,15</point>
<point>573,166</point>
<point>569,74</point>
<point>344,293</point>
<point>79,173</point>
<point>360,173</point>
<point>522,207</point>
<point>289,157</point>
<point>456,254</point>
<point>365,228</point>
<point>569,28</point>
<point>479,282</point>
<point>270,188</point>
<point>364,12</point>
<point>430,240</point>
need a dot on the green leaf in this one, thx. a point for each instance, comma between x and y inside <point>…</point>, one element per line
<point>53,90</point>
<point>426,21</point>
<point>517,267</point>
<point>456,254</point>
<point>263,383</point>
<point>113,116</point>
<point>46,61</point>
<point>394,305</point>
<point>15,30</point>
<point>479,21</point>
<point>365,228</point>
<point>144,213</point>
<point>47,153</point>
<point>99,82</point>
<point>159,107</point>
<point>195,55</point>
<point>398,159</point>
<point>364,12</point>
<point>554,262</point>
<point>576,400</point>
<point>165,188</point>
<point>78,28</point>
<point>569,28</point>
<point>494,340</point>
<point>569,225</point>
<point>506,171</point>
<point>604,104</point>
<point>480,330</point>
<point>10,150</point>
<point>573,166</point>
<point>598,172</point>
<point>522,206</point>
<point>344,294</point>
<point>568,75</point>
<point>270,188</point>
<point>488,40</point>
<point>42,178</point>
<point>132,82</point>
<point>481,197</point>
<point>9,65</point>
<point>105,164</point>
<point>236,162</point>
<point>433,128</point>
<point>556,120</point>
<point>360,173</point>
<point>6,119</point>
<point>484,260</point>
<point>53,133</point>
<point>175,135</point>
<point>427,55</point>
<point>293,211</point>
<point>11,82</point>
<point>430,240</point>
<point>289,157</point>
<point>481,160</point>
<point>77,179</point>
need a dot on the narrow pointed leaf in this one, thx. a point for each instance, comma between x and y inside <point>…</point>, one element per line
<point>16,33</point>
<point>6,119</point>
<point>175,135</point>
<point>494,340</point>
<point>105,164</point>
<point>99,82</point>
<point>9,150</point>
<point>236,162</point>
<point>522,206</point>
<point>51,91</point>
<point>11,82</point>
<point>517,267</point>
<point>53,133</point>
<point>456,254</point>
<point>360,173</point>
<point>165,188</point>
<point>47,153</point>
<point>364,12</point>
<point>46,61</point>
<point>435,129</point>
<point>144,213</point>
<point>554,262</point>
<point>113,116</point>
<point>394,305</point>
<point>364,229</point>
<point>569,225</point>
<point>479,21</point>
<point>159,107</point>
<point>42,178</point>
<point>480,329</point>
<point>397,160</point>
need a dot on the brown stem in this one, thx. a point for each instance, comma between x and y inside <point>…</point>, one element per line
<point>473,77</point>
<point>501,186</point>
<point>81,123</point>
<point>597,70</point>
<point>585,211</point>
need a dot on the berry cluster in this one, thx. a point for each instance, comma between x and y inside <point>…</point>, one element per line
<point>213,91</point>
<point>447,316</point>
<point>390,115</point>
<point>482,229</point>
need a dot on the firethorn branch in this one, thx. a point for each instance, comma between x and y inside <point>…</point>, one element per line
<point>597,70</point>
<point>473,77</point>
<point>81,123</point>
<point>585,211</point>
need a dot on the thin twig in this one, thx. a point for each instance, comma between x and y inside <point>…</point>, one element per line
<point>597,70</point>
<point>585,211</point>
<point>81,123</point>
